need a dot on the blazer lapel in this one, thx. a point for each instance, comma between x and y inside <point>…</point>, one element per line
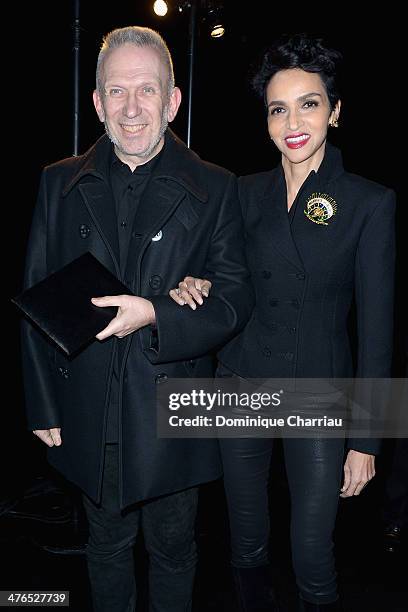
<point>274,210</point>
<point>313,240</point>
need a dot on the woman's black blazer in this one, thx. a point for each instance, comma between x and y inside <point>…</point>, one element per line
<point>307,273</point>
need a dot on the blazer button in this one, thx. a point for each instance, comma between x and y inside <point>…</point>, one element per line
<point>84,231</point>
<point>300,276</point>
<point>292,330</point>
<point>161,378</point>
<point>155,281</point>
<point>266,351</point>
<point>266,274</point>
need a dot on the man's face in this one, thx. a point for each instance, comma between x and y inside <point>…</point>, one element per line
<point>134,104</point>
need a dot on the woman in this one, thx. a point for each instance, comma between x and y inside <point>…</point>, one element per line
<point>316,235</point>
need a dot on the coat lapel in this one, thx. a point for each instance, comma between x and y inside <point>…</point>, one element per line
<point>99,201</point>
<point>157,204</point>
<point>97,195</point>
<point>170,183</point>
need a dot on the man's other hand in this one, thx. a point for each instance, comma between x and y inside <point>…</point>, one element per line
<point>51,436</point>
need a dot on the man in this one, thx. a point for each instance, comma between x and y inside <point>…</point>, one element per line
<point>151,211</point>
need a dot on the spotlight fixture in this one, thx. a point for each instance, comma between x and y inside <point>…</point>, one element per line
<point>183,6</point>
<point>215,21</point>
<point>217,30</point>
<point>208,12</point>
<point>160,8</point>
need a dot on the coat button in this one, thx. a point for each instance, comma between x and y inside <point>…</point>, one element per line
<point>161,378</point>
<point>155,281</point>
<point>266,351</point>
<point>64,372</point>
<point>300,276</point>
<point>287,356</point>
<point>84,231</point>
<point>291,330</point>
<point>266,274</point>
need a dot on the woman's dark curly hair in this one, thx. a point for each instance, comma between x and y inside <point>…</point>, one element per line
<point>300,51</point>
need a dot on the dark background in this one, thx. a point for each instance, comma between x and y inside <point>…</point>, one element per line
<point>228,126</point>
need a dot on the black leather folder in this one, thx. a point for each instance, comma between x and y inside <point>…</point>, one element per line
<point>60,305</point>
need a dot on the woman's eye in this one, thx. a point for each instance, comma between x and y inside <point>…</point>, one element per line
<point>277,110</point>
<point>310,104</point>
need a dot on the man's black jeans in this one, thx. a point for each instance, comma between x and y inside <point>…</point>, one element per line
<point>168,529</point>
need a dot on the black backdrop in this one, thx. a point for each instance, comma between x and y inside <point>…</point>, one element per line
<point>228,124</point>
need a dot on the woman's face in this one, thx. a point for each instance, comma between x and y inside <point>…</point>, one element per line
<point>299,114</point>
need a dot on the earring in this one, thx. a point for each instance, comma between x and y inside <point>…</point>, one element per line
<point>334,123</point>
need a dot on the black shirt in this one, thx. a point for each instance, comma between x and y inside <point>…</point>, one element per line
<point>127,188</point>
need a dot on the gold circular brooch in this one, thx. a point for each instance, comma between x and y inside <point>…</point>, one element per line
<point>320,207</point>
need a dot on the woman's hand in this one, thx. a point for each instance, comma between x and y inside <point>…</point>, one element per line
<point>358,471</point>
<point>191,290</point>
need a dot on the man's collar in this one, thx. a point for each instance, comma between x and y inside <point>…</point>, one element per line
<point>176,163</point>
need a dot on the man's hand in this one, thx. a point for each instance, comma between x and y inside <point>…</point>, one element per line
<point>49,436</point>
<point>133,313</point>
<point>358,471</point>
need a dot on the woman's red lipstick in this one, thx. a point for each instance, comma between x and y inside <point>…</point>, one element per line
<point>296,141</point>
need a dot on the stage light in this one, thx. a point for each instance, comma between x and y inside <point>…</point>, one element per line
<point>160,8</point>
<point>215,21</point>
<point>217,30</point>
